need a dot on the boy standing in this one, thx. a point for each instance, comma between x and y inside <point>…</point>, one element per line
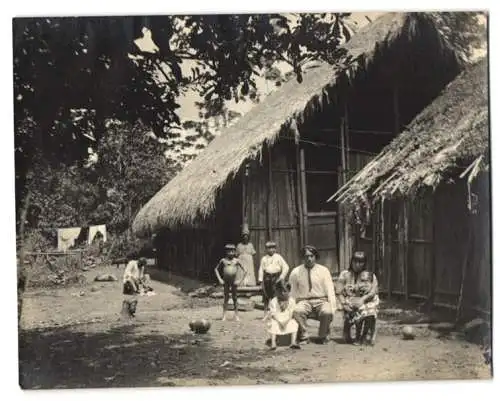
<point>230,265</point>
<point>273,268</point>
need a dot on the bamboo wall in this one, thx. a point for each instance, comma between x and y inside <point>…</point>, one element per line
<point>282,206</point>
<point>195,251</point>
<point>423,247</point>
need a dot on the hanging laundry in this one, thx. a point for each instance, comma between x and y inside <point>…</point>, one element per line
<point>66,237</point>
<point>99,231</point>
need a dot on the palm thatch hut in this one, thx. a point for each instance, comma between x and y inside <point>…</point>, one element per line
<point>428,193</point>
<point>275,168</point>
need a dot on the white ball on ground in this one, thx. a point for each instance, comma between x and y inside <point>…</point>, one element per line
<point>408,333</point>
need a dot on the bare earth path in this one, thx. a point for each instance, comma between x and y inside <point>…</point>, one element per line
<point>71,340</point>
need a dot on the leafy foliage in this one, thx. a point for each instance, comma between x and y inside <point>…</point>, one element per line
<point>463,30</point>
<point>67,64</point>
<point>131,168</point>
<point>72,75</point>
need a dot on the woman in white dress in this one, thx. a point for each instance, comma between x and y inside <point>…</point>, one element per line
<point>280,321</point>
<point>246,252</point>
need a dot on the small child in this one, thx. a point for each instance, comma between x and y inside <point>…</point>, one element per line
<point>280,319</point>
<point>273,268</point>
<point>364,315</point>
<point>230,266</point>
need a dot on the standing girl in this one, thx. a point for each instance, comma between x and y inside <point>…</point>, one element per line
<point>246,253</point>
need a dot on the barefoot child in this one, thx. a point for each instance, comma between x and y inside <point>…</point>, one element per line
<point>273,268</point>
<point>230,266</point>
<point>279,320</point>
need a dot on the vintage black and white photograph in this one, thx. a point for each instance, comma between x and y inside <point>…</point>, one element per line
<point>243,199</point>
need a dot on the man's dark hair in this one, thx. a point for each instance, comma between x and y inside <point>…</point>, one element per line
<point>311,249</point>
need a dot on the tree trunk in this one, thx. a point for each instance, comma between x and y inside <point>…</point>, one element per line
<point>21,275</point>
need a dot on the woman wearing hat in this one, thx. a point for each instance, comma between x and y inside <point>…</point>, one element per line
<point>352,298</point>
<point>273,268</point>
<point>246,252</point>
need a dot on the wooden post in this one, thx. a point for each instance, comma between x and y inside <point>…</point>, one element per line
<point>346,243</point>
<point>340,226</point>
<point>381,233</point>
<point>374,219</point>
<point>432,290</point>
<point>342,219</point>
<point>405,248</point>
<point>465,263</point>
<point>304,194</point>
<point>388,262</point>
<point>395,108</point>
<point>342,151</point>
<point>269,198</point>
<point>244,197</point>
<point>299,196</point>
<point>347,223</point>
<point>401,245</point>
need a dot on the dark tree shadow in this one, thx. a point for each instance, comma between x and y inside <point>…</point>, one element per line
<point>120,357</point>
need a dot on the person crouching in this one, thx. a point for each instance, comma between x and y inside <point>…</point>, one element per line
<point>133,276</point>
<point>280,321</point>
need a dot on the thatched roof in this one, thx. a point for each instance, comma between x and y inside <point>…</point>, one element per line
<point>193,192</point>
<point>448,136</point>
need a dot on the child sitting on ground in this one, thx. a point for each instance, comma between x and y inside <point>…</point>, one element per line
<point>230,266</point>
<point>279,320</point>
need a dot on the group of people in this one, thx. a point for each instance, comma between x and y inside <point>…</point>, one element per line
<point>306,292</point>
<point>291,296</point>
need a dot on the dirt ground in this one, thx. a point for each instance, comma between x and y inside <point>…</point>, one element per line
<point>73,338</point>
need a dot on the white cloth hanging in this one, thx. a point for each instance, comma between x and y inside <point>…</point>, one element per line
<point>66,237</point>
<point>93,230</point>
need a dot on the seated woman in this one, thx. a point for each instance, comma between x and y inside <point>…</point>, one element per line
<point>357,291</point>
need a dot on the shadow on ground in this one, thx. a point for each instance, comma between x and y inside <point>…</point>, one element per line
<point>120,357</point>
<point>183,284</point>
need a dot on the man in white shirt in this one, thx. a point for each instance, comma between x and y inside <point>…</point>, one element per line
<point>313,289</point>
<point>133,276</point>
<point>273,268</point>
